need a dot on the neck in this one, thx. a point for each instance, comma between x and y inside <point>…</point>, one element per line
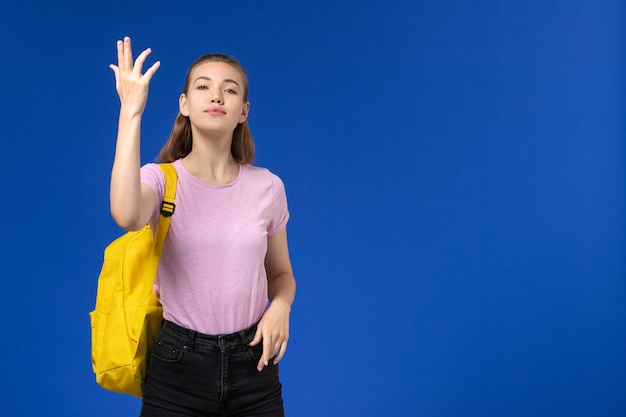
<point>211,161</point>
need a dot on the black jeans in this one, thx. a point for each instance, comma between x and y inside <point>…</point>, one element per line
<point>192,374</point>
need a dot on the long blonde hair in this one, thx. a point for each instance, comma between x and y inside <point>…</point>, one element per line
<point>180,141</point>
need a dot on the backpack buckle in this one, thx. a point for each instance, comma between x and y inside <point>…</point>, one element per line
<point>167,208</point>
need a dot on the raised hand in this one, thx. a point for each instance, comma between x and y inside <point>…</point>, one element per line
<point>130,83</point>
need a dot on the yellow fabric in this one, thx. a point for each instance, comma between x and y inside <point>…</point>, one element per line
<point>127,316</point>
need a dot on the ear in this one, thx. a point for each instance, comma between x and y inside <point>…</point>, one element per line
<point>182,105</point>
<point>244,112</point>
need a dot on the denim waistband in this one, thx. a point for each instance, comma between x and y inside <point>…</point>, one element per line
<point>214,342</point>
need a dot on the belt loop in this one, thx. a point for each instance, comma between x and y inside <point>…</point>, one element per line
<point>191,339</point>
<point>244,337</point>
<point>247,335</point>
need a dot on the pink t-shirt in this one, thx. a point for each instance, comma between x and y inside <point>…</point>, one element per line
<point>211,275</point>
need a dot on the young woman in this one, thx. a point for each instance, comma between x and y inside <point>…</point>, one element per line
<point>225,279</point>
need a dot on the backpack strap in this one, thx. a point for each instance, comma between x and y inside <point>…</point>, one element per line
<point>167,209</point>
<point>171,180</point>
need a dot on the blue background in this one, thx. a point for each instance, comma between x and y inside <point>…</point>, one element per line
<point>455,173</point>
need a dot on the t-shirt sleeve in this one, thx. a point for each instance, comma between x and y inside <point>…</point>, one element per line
<point>153,177</point>
<point>280,213</point>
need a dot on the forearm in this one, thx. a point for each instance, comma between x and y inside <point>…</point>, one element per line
<point>282,288</point>
<point>125,190</point>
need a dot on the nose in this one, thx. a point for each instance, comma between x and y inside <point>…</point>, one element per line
<point>217,97</point>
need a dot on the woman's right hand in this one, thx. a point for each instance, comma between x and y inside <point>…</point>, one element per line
<point>130,83</point>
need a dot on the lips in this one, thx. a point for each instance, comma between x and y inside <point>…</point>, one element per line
<point>215,111</point>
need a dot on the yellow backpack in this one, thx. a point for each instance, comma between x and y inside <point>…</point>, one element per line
<point>128,316</point>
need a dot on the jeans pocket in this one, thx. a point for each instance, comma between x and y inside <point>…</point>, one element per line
<point>167,349</point>
<point>255,352</point>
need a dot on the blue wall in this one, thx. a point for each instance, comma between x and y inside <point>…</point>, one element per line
<point>455,174</point>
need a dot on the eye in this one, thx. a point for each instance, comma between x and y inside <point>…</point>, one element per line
<point>202,87</point>
<point>230,91</point>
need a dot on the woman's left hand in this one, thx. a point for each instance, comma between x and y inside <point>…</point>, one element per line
<point>273,330</point>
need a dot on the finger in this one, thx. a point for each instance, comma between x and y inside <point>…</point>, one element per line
<point>276,349</point>
<point>120,54</point>
<point>116,71</point>
<point>265,357</point>
<point>141,59</point>
<point>281,352</point>
<point>257,337</point>
<point>128,54</point>
<point>267,351</point>
<point>152,70</point>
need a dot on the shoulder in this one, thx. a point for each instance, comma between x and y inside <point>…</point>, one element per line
<point>265,182</point>
<point>151,168</point>
<point>153,176</point>
<point>262,175</point>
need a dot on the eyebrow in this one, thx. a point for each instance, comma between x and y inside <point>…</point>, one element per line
<point>227,80</point>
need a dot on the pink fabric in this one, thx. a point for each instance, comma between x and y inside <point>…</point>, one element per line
<point>211,276</point>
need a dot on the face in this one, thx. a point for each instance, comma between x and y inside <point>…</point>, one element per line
<point>214,101</point>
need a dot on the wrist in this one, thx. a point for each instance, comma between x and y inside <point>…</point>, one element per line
<point>129,113</point>
<point>281,302</point>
